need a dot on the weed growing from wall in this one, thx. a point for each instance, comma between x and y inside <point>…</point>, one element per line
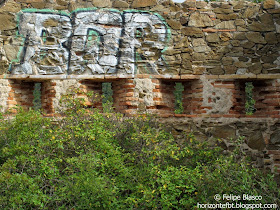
<point>37,104</point>
<point>250,102</point>
<point>107,97</point>
<point>179,88</point>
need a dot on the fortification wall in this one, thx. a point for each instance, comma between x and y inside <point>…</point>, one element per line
<point>139,37</point>
<point>262,136</point>
<point>143,47</point>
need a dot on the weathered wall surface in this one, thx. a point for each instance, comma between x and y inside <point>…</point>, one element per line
<point>262,136</point>
<point>4,94</point>
<point>139,37</point>
<point>143,47</point>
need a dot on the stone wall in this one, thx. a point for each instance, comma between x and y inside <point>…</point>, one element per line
<point>262,136</point>
<point>143,47</point>
<point>139,37</point>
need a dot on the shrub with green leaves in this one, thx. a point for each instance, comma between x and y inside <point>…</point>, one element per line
<point>107,161</point>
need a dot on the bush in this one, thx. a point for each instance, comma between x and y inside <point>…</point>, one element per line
<point>106,161</point>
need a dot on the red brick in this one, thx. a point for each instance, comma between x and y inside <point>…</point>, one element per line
<point>197,99</point>
<point>232,115</point>
<point>12,102</point>
<point>156,81</point>
<point>180,115</point>
<point>273,152</point>
<point>166,115</point>
<point>129,81</point>
<point>128,86</point>
<point>158,99</point>
<point>197,86</point>
<point>151,107</point>
<point>228,82</point>
<point>129,90</point>
<point>272,112</point>
<point>272,96</point>
<point>191,115</point>
<point>228,86</point>
<point>131,99</point>
<point>156,91</point>
<point>129,94</point>
<point>201,111</point>
<point>206,107</point>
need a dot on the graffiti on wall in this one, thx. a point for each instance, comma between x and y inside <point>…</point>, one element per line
<point>90,41</point>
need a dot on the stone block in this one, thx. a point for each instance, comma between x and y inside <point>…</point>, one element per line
<point>217,70</point>
<point>271,38</point>
<point>226,25</point>
<point>200,20</point>
<point>256,37</point>
<point>269,4</point>
<point>174,24</point>
<point>251,12</point>
<point>192,31</point>
<point>256,141</point>
<point>231,16</point>
<point>213,37</point>
<point>7,22</point>
<point>255,68</point>
<point>120,4</point>
<point>102,3</point>
<point>10,6</point>
<point>230,69</point>
<point>143,3</point>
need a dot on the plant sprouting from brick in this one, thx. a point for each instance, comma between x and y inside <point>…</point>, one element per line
<point>107,97</point>
<point>37,105</point>
<point>179,88</point>
<point>250,102</point>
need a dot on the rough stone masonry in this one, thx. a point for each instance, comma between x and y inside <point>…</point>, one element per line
<point>143,47</point>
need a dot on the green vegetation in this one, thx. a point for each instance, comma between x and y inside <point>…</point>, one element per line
<point>107,97</point>
<point>37,96</point>
<point>179,88</point>
<point>88,160</point>
<point>250,102</point>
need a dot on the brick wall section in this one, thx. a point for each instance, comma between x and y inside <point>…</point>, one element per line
<point>238,98</point>
<point>21,94</point>
<point>267,96</point>
<point>164,99</point>
<point>193,97</point>
<point>123,96</point>
<point>48,95</point>
<point>92,86</point>
<point>195,101</point>
<point>266,93</point>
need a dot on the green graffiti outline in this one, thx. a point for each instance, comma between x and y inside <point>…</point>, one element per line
<point>69,14</point>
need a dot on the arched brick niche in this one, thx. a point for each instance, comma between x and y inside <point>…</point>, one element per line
<point>20,94</point>
<point>203,96</point>
<point>143,48</point>
<point>212,102</point>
